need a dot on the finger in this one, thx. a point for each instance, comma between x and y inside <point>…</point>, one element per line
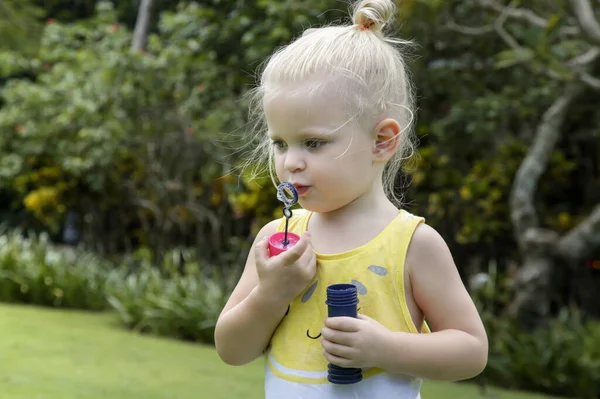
<point>308,258</point>
<point>293,254</point>
<point>364,317</point>
<point>343,323</point>
<point>338,350</point>
<point>261,250</point>
<point>313,260</point>
<point>338,337</point>
<point>338,361</point>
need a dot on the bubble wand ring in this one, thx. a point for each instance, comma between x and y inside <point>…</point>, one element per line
<point>281,241</point>
<point>287,194</point>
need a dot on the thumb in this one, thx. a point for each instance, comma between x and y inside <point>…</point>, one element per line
<point>296,252</point>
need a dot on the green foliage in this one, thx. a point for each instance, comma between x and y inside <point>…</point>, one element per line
<point>14,63</point>
<point>119,140</point>
<point>562,358</point>
<point>508,58</point>
<point>20,25</point>
<point>133,135</point>
<point>67,10</point>
<point>477,122</point>
<point>476,200</point>
<point>34,271</point>
<point>179,298</point>
<point>73,10</point>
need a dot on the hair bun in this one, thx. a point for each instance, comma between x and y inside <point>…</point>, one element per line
<point>373,14</point>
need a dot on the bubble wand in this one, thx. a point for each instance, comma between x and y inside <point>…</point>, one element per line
<point>283,240</point>
<point>287,194</point>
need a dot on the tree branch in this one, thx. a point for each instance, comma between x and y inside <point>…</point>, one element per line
<point>469,30</point>
<point>585,17</point>
<point>506,12</point>
<point>586,58</point>
<point>526,15</point>
<point>523,214</point>
<point>142,25</point>
<point>582,63</point>
<point>591,81</point>
<point>499,27</point>
<point>514,12</point>
<point>583,239</point>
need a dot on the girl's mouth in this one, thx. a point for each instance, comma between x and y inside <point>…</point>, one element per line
<point>302,189</point>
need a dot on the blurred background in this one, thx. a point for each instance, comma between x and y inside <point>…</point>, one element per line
<point>121,129</point>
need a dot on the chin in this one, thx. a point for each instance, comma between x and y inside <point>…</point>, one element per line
<point>314,206</point>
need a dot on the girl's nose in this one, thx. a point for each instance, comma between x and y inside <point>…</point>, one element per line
<point>294,160</point>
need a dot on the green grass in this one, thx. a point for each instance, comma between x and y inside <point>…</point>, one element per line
<point>55,354</point>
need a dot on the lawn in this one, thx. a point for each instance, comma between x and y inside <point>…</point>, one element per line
<point>55,354</point>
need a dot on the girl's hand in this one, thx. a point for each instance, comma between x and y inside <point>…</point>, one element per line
<point>350,342</point>
<point>283,277</point>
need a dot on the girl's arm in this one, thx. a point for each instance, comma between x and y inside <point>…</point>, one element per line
<point>249,318</point>
<point>457,348</point>
<point>261,298</point>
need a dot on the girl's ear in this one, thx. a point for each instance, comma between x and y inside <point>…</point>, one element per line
<point>387,135</point>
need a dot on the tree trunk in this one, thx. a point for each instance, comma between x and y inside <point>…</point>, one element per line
<point>542,249</point>
<point>532,288</point>
<point>532,281</point>
<point>522,207</point>
<point>583,239</point>
<point>142,25</point>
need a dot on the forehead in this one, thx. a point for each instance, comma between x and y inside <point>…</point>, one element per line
<point>301,108</point>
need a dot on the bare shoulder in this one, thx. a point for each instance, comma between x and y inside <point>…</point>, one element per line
<point>436,284</point>
<point>268,229</point>
<point>428,248</point>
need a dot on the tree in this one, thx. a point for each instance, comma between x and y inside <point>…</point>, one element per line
<point>566,49</point>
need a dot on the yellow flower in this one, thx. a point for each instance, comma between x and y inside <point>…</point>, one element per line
<point>564,220</point>
<point>465,193</point>
<point>38,199</point>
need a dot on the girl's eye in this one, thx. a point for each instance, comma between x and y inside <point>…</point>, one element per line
<point>278,144</point>
<point>314,143</point>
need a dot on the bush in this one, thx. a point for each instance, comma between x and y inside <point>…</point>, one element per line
<point>179,299</point>
<point>561,358</point>
<point>35,272</point>
<point>141,149</point>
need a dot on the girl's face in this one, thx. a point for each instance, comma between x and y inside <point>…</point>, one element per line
<point>319,149</point>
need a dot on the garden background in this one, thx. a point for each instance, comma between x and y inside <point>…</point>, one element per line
<point>122,132</point>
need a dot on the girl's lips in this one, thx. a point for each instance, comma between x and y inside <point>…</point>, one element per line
<point>302,189</point>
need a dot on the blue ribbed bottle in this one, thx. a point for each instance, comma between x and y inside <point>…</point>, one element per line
<point>342,300</point>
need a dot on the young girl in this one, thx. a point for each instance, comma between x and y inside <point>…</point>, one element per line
<point>337,103</point>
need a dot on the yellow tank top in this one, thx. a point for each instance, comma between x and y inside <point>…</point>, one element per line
<point>377,270</point>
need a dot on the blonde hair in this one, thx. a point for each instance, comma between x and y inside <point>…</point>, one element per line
<point>371,66</point>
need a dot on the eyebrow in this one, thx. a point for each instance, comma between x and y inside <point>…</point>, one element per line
<point>306,134</point>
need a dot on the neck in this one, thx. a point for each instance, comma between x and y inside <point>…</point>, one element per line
<point>372,204</point>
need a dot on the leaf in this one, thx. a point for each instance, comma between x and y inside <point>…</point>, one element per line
<point>509,58</point>
<point>552,21</point>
